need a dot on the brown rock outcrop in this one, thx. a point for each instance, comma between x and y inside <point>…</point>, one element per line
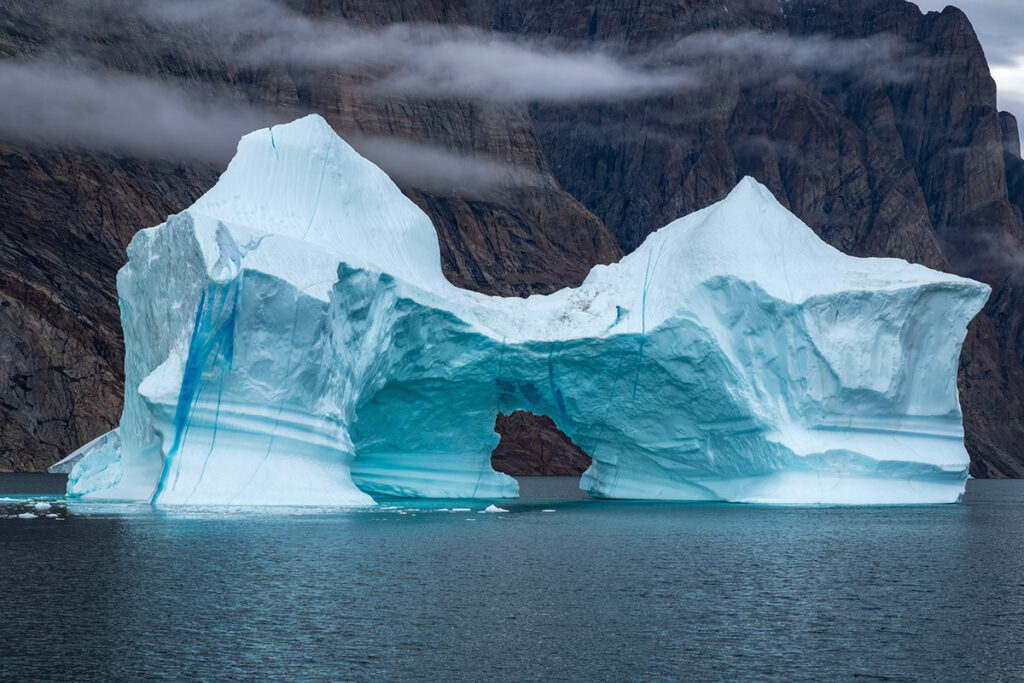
<point>536,447</point>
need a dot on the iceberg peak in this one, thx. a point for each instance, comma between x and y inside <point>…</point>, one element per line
<point>301,181</point>
<point>749,189</point>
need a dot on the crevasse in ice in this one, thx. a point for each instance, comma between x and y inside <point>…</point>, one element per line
<point>291,339</point>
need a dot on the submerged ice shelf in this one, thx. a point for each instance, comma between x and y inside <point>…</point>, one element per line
<point>291,339</point>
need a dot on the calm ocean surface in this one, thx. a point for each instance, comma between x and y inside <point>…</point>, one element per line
<point>595,590</point>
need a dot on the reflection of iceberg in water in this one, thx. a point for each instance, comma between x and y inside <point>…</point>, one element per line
<point>290,339</point>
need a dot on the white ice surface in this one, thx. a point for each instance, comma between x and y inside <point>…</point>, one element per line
<point>291,339</point>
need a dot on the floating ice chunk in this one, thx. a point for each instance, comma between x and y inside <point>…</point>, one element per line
<point>109,439</point>
<point>494,508</point>
<point>547,510</point>
<point>43,506</point>
<point>26,515</point>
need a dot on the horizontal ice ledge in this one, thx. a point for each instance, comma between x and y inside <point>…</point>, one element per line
<point>291,339</point>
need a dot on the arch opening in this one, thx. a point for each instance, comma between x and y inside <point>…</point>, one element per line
<point>531,445</point>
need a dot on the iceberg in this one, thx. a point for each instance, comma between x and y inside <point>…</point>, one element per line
<point>290,339</point>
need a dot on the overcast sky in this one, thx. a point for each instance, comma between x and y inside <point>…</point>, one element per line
<point>1000,26</point>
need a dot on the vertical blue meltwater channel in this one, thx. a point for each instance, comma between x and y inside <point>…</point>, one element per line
<point>211,347</point>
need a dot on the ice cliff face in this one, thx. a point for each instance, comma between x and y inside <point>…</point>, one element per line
<point>290,339</point>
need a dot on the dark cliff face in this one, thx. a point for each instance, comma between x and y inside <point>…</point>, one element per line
<point>875,124</point>
<point>65,219</point>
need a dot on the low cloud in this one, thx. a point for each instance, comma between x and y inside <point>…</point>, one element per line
<point>75,103</point>
<point>434,169</point>
<point>764,57</point>
<point>118,113</point>
<point>462,62</point>
<point>420,60</point>
<point>469,64</point>
<point>55,106</point>
<point>993,254</point>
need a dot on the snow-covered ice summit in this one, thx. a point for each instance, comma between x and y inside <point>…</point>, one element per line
<point>291,339</point>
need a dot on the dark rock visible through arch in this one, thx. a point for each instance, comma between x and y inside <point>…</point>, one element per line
<point>532,445</point>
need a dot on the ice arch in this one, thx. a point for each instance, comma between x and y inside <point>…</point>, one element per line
<point>290,339</point>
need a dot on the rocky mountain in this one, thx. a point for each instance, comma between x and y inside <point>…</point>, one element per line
<point>874,123</point>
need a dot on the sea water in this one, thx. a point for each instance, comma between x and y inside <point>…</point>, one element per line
<point>555,588</point>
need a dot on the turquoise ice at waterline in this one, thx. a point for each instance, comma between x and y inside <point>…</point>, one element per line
<point>291,340</point>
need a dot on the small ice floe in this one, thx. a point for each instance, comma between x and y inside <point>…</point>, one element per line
<point>547,510</point>
<point>494,508</point>
<point>26,515</point>
<point>43,506</point>
<point>52,515</point>
<point>460,509</point>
